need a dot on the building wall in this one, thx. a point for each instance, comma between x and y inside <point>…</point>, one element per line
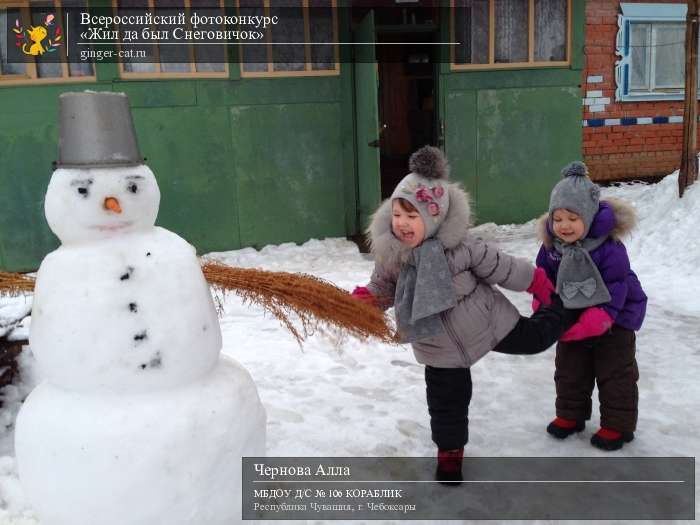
<point>244,162</point>
<point>509,132</point>
<point>239,161</point>
<point>623,140</point>
<point>248,162</point>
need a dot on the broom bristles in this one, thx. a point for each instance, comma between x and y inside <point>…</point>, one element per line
<point>316,303</point>
<point>15,283</point>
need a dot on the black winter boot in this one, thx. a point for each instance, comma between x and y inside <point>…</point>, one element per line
<point>449,466</point>
<point>553,320</point>
<point>562,428</point>
<point>606,439</point>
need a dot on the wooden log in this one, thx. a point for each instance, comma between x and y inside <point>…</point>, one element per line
<point>9,352</point>
<point>689,158</point>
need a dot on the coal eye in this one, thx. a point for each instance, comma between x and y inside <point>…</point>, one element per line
<point>83,191</point>
<point>133,188</point>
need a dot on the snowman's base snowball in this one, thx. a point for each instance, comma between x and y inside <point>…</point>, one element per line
<point>171,456</point>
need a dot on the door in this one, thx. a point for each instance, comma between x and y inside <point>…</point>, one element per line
<point>367,120</point>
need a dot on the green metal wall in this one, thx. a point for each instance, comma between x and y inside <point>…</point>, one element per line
<point>240,162</point>
<point>509,132</point>
<point>248,162</point>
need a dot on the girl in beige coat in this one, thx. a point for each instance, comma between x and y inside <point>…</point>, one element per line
<point>440,280</point>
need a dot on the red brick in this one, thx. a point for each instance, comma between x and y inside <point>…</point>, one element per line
<point>623,151</point>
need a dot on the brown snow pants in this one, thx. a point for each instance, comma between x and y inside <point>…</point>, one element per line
<point>608,360</point>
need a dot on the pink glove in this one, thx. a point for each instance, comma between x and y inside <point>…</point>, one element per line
<point>541,287</point>
<point>593,322</point>
<point>361,293</point>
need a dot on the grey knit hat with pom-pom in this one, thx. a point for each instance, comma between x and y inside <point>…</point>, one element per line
<point>577,193</point>
<point>426,187</point>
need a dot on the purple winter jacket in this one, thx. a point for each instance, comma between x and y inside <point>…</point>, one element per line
<point>628,302</point>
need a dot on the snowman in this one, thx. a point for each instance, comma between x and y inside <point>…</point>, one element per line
<point>139,420</point>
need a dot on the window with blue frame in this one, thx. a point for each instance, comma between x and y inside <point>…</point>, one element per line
<point>651,46</point>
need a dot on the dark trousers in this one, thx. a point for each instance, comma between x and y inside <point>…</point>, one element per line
<point>608,360</point>
<point>449,391</point>
<point>532,335</point>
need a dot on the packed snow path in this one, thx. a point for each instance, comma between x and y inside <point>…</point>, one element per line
<point>347,398</point>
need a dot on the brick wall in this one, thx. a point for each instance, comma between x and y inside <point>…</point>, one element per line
<point>612,150</point>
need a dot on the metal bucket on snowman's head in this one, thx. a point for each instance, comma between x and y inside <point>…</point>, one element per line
<point>96,131</point>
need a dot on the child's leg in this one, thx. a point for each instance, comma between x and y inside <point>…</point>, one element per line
<point>532,335</point>
<point>449,391</point>
<point>574,379</point>
<point>617,374</point>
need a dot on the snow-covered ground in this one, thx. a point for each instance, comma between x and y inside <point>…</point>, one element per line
<point>351,398</point>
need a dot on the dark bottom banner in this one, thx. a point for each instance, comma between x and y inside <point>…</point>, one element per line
<point>492,488</point>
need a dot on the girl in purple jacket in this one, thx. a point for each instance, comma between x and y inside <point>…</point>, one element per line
<point>583,254</point>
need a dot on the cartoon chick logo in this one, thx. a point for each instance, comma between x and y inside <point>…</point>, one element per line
<point>31,40</point>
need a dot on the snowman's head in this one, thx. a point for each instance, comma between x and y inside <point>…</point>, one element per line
<point>87,204</point>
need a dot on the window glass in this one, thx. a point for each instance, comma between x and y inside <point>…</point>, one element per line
<point>499,33</point>
<point>640,50</point>
<point>302,43</point>
<point>209,58</point>
<point>286,55</point>
<point>82,68</point>
<point>52,61</point>
<point>45,68</point>
<point>11,60</point>
<point>657,56</point>
<point>471,31</point>
<point>550,30</point>
<point>321,30</point>
<point>669,56</point>
<point>651,64</point>
<point>137,64</point>
<point>511,30</point>
<point>254,56</point>
<point>173,58</point>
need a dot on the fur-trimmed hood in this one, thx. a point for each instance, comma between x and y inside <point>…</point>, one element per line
<point>615,218</point>
<point>390,252</point>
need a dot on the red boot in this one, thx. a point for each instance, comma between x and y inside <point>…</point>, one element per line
<point>449,466</point>
<point>562,428</point>
<point>607,439</point>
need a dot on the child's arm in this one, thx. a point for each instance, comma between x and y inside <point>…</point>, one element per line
<point>614,269</point>
<point>492,266</point>
<point>593,322</point>
<point>379,291</point>
<point>542,286</point>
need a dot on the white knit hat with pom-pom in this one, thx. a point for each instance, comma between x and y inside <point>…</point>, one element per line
<point>426,187</point>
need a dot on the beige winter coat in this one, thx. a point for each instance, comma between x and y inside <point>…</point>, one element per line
<point>483,316</point>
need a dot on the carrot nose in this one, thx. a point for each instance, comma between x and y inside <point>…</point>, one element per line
<point>112,204</point>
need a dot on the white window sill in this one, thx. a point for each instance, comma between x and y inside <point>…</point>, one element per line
<point>650,97</point>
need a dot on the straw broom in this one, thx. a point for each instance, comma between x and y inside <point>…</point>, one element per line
<point>15,283</point>
<point>316,303</point>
